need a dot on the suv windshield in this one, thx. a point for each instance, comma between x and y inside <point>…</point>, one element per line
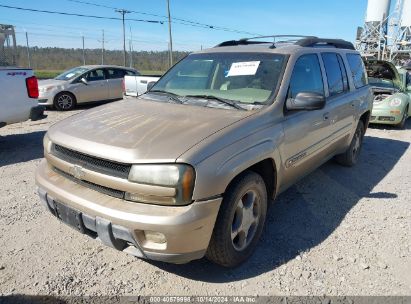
<point>249,78</point>
<point>72,73</point>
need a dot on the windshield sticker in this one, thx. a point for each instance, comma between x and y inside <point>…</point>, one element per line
<point>70,75</point>
<point>243,68</point>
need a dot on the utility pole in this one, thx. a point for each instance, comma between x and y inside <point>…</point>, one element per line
<point>102,49</point>
<point>123,12</point>
<point>170,44</point>
<point>84,55</point>
<point>131,48</point>
<point>28,49</point>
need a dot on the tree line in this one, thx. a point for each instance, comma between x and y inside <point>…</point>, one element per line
<point>53,58</point>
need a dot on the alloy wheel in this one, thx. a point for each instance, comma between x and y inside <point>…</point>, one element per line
<point>245,222</point>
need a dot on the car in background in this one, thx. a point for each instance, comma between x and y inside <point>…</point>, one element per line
<point>405,73</point>
<point>391,103</point>
<point>83,84</point>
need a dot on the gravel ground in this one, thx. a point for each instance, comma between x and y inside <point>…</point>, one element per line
<point>339,231</point>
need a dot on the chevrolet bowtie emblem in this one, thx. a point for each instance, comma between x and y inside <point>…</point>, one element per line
<point>77,172</point>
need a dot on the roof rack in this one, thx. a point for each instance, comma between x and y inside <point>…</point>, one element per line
<point>301,40</point>
<point>322,42</point>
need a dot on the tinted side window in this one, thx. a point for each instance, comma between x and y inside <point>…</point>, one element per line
<point>131,73</point>
<point>357,69</point>
<point>408,78</point>
<point>115,73</point>
<point>95,75</point>
<point>306,76</point>
<point>334,74</point>
<point>344,73</point>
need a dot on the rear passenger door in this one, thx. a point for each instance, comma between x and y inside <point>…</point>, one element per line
<point>306,133</point>
<point>114,80</point>
<point>340,101</point>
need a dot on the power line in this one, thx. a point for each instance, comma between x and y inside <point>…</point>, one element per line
<point>78,15</point>
<point>181,21</point>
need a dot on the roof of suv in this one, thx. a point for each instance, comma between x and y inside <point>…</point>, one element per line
<point>285,44</point>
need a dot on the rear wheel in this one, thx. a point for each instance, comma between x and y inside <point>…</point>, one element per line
<point>401,125</point>
<point>64,101</point>
<point>350,157</point>
<point>240,221</point>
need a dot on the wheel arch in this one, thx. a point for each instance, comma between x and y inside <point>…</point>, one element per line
<point>67,92</point>
<point>365,118</point>
<point>267,169</point>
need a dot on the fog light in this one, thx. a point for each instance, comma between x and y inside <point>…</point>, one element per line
<point>155,237</point>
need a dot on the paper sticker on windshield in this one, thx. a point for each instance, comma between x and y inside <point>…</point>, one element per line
<point>70,75</point>
<point>243,68</point>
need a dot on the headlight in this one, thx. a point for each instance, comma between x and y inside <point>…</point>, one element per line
<point>178,176</point>
<point>47,143</point>
<point>395,102</point>
<point>46,89</point>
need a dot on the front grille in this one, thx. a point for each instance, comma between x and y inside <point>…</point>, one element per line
<point>95,187</point>
<point>92,163</point>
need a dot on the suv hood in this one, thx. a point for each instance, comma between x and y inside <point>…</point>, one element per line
<point>141,131</point>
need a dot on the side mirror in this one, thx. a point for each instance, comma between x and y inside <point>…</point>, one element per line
<point>150,85</point>
<point>306,101</point>
<point>83,80</point>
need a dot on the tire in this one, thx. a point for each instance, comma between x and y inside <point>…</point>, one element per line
<point>64,101</point>
<point>401,125</point>
<point>350,157</point>
<point>248,194</point>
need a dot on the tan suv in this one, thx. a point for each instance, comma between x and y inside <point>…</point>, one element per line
<point>187,170</point>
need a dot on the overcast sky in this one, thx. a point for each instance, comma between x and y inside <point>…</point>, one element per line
<point>331,19</point>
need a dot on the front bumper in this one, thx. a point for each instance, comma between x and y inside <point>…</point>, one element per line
<point>46,99</point>
<point>122,224</point>
<point>37,113</point>
<point>391,116</point>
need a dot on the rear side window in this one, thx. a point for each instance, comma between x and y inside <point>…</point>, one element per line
<point>334,73</point>
<point>357,69</point>
<point>344,73</point>
<point>306,76</point>
<point>131,73</point>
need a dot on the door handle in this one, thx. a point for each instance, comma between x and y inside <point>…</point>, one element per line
<point>326,116</point>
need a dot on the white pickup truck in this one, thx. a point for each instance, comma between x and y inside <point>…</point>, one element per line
<point>138,85</point>
<point>18,98</point>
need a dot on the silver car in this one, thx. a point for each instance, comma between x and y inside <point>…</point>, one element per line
<point>83,84</point>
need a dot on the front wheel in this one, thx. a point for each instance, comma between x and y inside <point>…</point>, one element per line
<point>350,157</point>
<point>240,221</point>
<point>64,101</point>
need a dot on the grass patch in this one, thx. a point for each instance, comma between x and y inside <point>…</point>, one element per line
<point>46,74</point>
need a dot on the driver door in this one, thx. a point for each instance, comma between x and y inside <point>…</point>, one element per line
<point>305,132</point>
<point>96,88</point>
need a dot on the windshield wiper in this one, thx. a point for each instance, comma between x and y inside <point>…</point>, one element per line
<point>222,100</point>
<point>172,96</point>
